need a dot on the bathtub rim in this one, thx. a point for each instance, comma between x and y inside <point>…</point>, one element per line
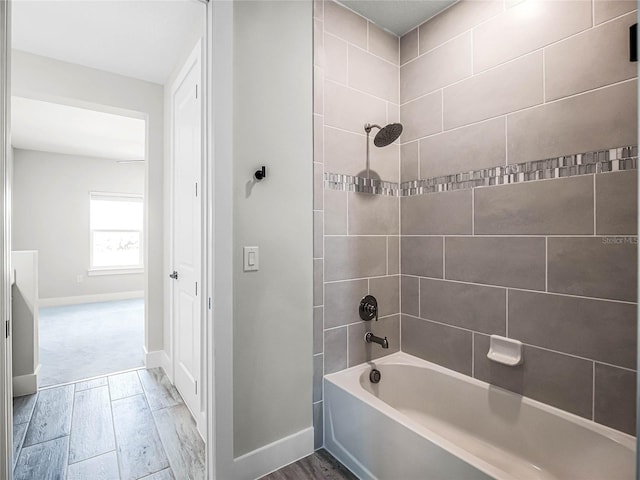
<point>349,378</point>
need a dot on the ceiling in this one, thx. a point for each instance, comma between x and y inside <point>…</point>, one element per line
<point>51,127</point>
<point>139,39</point>
<point>397,16</point>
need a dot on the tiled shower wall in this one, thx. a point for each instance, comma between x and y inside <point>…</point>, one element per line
<point>551,263</point>
<point>356,237</point>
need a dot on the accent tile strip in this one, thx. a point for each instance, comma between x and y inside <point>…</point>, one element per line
<point>622,158</point>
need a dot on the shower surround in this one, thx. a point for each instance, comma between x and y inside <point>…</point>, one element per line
<point>490,88</point>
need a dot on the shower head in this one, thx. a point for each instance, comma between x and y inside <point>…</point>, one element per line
<point>387,135</point>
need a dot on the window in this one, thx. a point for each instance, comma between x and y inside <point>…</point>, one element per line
<point>116,222</point>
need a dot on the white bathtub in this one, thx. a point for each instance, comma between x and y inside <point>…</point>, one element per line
<point>423,422</point>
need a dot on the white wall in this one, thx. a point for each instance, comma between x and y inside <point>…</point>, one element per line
<point>272,126</point>
<point>47,79</point>
<point>51,215</point>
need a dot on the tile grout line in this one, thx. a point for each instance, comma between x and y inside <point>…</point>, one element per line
<point>595,231</point>
<point>444,256</point>
<point>473,354</point>
<point>546,264</point>
<point>593,392</point>
<point>506,313</point>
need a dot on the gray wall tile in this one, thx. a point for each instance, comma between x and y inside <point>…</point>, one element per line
<point>384,44</point>
<point>318,365</point>
<point>409,46</point>
<point>422,117</point>
<point>342,301</point>
<point>446,346</point>
<point>460,17</point>
<point>360,351</point>
<point>600,330</point>
<point>591,121</point>
<point>318,186</point>
<point>350,109</point>
<point>318,329</point>
<point>373,75</point>
<point>345,24</point>
<point>318,280</point>
<point>409,162</point>
<point>532,208</point>
<point>335,212</point>
<point>508,261</point>
<point>318,90</point>
<point>615,398</point>
<point>555,379</point>
<point>318,231</point>
<point>318,9</point>
<point>410,295</point>
<point>607,9</point>
<point>475,307</point>
<point>468,148</point>
<point>393,252</point>
<point>335,59</point>
<point>513,86</point>
<point>527,27</point>
<point>385,161</point>
<point>335,350</point>
<point>318,427</point>
<point>593,267</point>
<point>345,152</point>
<point>373,214</point>
<point>440,67</point>
<point>446,213</point>
<point>387,292</point>
<point>422,256</point>
<point>355,257</point>
<point>318,138</point>
<point>318,43</point>
<point>617,203</point>
<point>592,59</point>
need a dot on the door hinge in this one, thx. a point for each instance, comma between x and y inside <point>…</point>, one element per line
<point>196,387</point>
<point>209,303</point>
<point>196,289</point>
<point>6,324</point>
<point>196,189</point>
<point>196,90</point>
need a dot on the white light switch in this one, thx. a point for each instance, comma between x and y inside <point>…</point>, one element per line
<point>251,259</point>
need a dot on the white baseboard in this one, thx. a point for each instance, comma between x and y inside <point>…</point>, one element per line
<point>26,384</point>
<point>274,456</point>
<point>100,297</point>
<point>157,359</point>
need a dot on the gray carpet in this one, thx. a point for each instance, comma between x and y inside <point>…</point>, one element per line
<point>88,340</point>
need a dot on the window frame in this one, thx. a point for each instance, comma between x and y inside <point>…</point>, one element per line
<point>118,269</point>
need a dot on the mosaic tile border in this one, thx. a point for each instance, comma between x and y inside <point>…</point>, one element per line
<point>616,159</point>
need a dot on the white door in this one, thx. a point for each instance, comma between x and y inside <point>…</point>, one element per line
<point>187,153</point>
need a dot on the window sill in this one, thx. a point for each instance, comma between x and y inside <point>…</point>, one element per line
<point>114,271</point>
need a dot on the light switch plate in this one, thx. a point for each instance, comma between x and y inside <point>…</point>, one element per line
<point>251,259</point>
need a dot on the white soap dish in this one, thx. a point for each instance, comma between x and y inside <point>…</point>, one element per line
<point>505,350</point>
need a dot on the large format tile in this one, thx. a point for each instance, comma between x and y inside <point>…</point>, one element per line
<point>410,295</point>
<point>124,385</point>
<point>318,281</point>
<point>103,467</point>
<point>422,256</point>
<point>373,75</point>
<point>335,350</point>
<point>387,292</point>
<point>593,267</point>
<point>596,120</point>
<point>475,307</point>
<point>182,442</point>
<point>373,214</point>
<point>510,87</point>
<point>384,161</point>
<point>166,474</point>
<point>318,90</point>
<point>345,24</point>
<point>604,10</point>
<point>319,465</point>
<point>527,27</point>
<point>92,433</point>
<point>19,430</point>
<point>615,398</point>
<point>446,213</point>
<point>318,329</point>
<point>87,384</point>
<point>384,44</point>
<point>592,59</point>
<point>140,450</point>
<point>318,138</point>
<point>409,46</point>
<point>318,186</point>
<point>531,208</point>
<point>318,427</point>
<point>441,344</point>
<point>335,212</point>
<point>350,109</point>
<point>454,20</point>
<point>473,147</point>
<point>508,261</point>
<point>393,255</point>
<point>158,389</point>
<point>52,415</point>
<point>318,234</point>
<point>616,203</point>
<point>318,370</point>
<point>335,59</point>
<point>440,67</point>
<point>44,461</point>
<point>422,117</point>
<point>342,300</point>
<point>23,408</point>
<point>355,257</point>
<point>555,379</point>
<point>409,162</point>
<point>318,43</point>
<point>361,351</point>
<point>600,330</point>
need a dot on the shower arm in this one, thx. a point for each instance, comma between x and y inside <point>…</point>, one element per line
<point>367,128</point>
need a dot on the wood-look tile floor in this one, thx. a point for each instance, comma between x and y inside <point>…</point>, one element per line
<point>320,465</point>
<point>127,426</point>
